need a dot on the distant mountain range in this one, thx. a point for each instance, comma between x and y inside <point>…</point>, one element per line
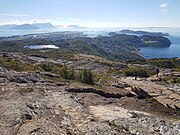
<point>34,26</point>
<point>24,27</point>
<point>44,25</point>
<point>6,27</point>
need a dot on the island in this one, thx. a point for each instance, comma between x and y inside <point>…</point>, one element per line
<point>116,47</point>
<point>143,33</point>
<point>148,39</point>
<point>155,41</point>
<point>44,25</point>
<point>33,26</point>
<point>24,27</point>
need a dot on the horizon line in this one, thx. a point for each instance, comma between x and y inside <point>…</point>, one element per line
<point>80,26</point>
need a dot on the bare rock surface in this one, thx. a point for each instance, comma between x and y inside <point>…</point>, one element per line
<point>30,104</point>
<point>161,93</point>
<point>50,110</point>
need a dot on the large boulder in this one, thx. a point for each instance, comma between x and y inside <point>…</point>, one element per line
<point>140,93</point>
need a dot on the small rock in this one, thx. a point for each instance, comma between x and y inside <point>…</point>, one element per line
<point>56,112</point>
<point>26,117</point>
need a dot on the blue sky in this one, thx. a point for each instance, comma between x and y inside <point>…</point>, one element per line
<point>92,13</point>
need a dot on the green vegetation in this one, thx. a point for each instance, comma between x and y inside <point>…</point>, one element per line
<point>172,79</point>
<point>15,64</point>
<point>155,41</point>
<point>163,63</point>
<point>86,77</point>
<point>136,72</point>
<point>117,47</point>
<point>46,67</point>
<point>67,73</point>
<point>172,63</point>
<point>177,69</point>
<point>50,53</point>
<point>25,90</point>
<point>50,67</point>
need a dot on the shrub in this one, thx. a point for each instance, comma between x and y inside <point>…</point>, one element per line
<point>172,79</point>
<point>67,73</point>
<point>64,72</point>
<point>56,69</point>
<point>168,64</point>
<point>86,77</point>
<point>71,74</point>
<point>46,67</point>
<point>134,71</point>
<point>163,64</point>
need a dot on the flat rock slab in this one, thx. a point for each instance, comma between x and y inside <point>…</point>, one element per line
<point>160,92</point>
<point>111,112</point>
<point>174,96</point>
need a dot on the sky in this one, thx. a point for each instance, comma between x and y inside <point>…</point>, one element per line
<point>92,13</point>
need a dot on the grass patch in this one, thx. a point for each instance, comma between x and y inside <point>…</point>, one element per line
<point>15,64</point>
<point>25,90</point>
<point>136,71</point>
<point>172,79</point>
<point>172,63</point>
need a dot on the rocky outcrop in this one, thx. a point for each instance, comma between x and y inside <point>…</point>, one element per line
<point>99,92</point>
<point>23,77</point>
<point>164,94</point>
<point>50,108</point>
<point>120,85</point>
<point>43,103</point>
<point>140,93</point>
<point>19,77</point>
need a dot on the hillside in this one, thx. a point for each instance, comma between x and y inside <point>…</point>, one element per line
<point>36,98</point>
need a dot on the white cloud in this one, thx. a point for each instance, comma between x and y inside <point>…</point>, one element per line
<point>47,20</point>
<point>28,21</point>
<point>13,15</point>
<point>164,7</point>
